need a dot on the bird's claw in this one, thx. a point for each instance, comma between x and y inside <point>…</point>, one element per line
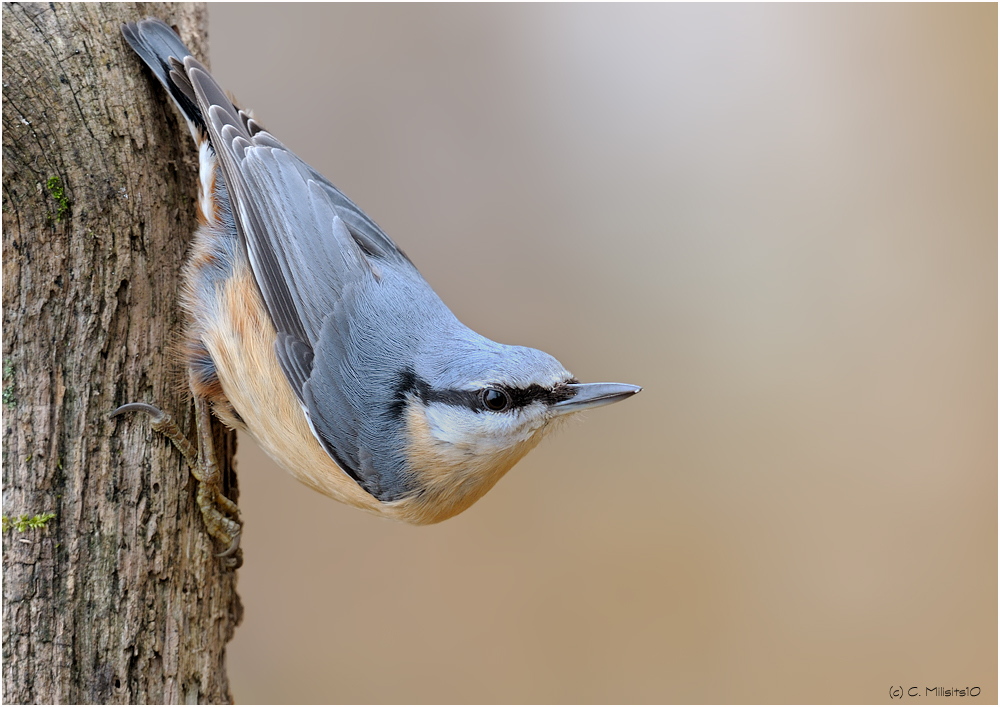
<point>234,546</point>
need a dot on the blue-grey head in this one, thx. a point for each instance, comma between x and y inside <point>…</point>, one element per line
<point>470,408</point>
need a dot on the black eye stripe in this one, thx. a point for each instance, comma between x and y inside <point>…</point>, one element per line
<point>522,397</point>
<point>409,383</point>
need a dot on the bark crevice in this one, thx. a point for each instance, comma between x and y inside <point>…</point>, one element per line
<point>118,598</point>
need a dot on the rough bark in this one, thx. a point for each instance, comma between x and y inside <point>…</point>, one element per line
<point>119,597</point>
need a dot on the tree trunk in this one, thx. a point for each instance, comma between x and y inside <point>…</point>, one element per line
<point>117,597</point>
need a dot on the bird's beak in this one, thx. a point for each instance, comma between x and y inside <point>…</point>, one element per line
<point>592,395</point>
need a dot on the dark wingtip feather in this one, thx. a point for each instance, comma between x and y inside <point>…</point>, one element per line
<point>157,44</point>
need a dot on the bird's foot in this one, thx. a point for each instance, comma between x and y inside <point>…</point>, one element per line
<point>220,514</point>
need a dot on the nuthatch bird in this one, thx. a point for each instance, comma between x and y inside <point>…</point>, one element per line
<point>310,329</point>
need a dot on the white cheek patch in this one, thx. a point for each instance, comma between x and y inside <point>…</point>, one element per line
<point>482,432</point>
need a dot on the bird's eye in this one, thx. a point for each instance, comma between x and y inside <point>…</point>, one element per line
<point>495,400</point>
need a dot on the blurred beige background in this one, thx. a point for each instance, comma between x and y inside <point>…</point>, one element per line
<point>782,222</point>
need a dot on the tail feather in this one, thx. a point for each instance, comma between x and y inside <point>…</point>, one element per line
<point>156,44</point>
